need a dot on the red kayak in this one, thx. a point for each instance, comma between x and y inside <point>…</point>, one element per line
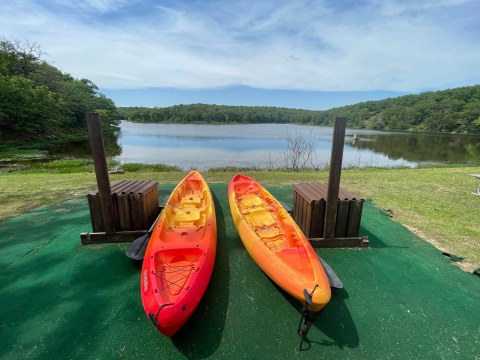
<point>179,259</point>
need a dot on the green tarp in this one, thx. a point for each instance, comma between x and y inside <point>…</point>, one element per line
<point>60,300</point>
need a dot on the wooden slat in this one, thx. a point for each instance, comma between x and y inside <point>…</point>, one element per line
<point>151,205</point>
<point>95,212</point>
<point>318,219</point>
<point>361,241</point>
<point>156,204</point>
<point>120,186</point>
<point>354,217</point>
<point>136,213</point>
<point>303,216</point>
<point>308,217</point>
<point>295,206</point>
<point>116,237</point>
<point>344,194</point>
<point>123,212</point>
<point>145,211</point>
<point>342,217</point>
<point>299,208</point>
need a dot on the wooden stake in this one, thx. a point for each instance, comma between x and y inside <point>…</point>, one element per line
<point>334,176</point>
<point>101,172</point>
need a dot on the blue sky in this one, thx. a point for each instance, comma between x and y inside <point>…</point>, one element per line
<point>304,54</point>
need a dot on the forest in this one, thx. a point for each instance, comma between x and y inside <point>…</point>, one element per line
<point>451,111</point>
<point>38,101</point>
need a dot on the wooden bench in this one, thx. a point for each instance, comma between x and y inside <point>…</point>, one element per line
<point>135,208</point>
<point>309,210</point>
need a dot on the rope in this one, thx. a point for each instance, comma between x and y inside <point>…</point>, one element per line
<point>190,268</point>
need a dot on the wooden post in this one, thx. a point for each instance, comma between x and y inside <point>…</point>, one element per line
<point>334,176</point>
<point>101,172</point>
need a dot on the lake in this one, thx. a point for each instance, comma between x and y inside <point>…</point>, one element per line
<point>263,146</point>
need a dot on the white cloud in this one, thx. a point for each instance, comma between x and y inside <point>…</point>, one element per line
<point>101,6</point>
<point>295,45</point>
<point>397,7</point>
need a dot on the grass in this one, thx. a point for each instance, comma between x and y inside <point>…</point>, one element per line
<point>434,202</point>
<point>65,166</point>
<point>13,154</point>
<point>69,166</point>
<point>138,167</point>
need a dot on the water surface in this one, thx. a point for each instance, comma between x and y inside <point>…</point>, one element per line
<point>263,145</point>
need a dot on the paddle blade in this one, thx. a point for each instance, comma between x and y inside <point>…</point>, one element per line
<point>137,248</point>
<point>333,279</point>
<point>308,297</point>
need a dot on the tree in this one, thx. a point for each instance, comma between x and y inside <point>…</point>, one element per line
<point>22,56</point>
<point>26,109</point>
<point>299,150</point>
<point>37,99</point>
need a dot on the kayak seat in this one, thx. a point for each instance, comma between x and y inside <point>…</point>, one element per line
<point>191,200</point>
<point>252,202</point>
<point>183,234</point>
<point>245,187</point>
<point>276,245</point>
<point>261,219</point>
<point>187,215</point>
<point>269,233</point>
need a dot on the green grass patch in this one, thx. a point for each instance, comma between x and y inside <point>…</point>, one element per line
<point>15,154</point>
<point>232,169</point>
<point>138,167</point>
<point>435,202</point>
<point>65,166</point>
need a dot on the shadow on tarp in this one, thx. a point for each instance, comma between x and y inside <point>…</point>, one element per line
<point>375,242</point>
<point>30,232</point>
<point>194,340</point>
<point>372,225</point>
<point>64,311</point>
<point>334,321</point>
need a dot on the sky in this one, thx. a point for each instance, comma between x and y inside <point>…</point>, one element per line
<point>303,53</point>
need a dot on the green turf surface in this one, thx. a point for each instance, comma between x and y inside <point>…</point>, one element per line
<point>60,300</point>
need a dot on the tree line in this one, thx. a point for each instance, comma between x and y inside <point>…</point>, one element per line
<point>38,101</point>
<point>216,114</point>
<point>453,111</point>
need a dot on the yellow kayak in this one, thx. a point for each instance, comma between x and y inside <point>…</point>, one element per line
<point>276,243</point>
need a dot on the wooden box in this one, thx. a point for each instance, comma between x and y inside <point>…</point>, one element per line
<point>135,205</point>
<point>309,201</point>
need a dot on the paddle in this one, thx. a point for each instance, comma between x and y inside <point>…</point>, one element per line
<point>333,279</point>
<point>137,248</point>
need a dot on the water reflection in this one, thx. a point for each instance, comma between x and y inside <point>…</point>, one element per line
<point>81,148</point>
<point>253,145</point>
<point>423,147</point>
<point>263,145</point>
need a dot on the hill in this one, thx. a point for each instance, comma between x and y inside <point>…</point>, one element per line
<point>453,111</point>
